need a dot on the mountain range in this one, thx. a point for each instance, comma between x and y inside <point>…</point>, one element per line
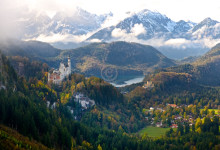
<point>157,25</point>
<point>175,39</point>
<point>80,22</point>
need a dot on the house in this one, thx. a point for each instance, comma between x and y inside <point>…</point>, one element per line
<point>70,109</point>
<point>159,124</point>
<point>148,85</point>
<point>83,100</point>
<point>160,109</point>
<point>191,105</point>
<point>179,117</point>
<point>173,105</point>
<point>151,108</point>
<point>174,126</point>
<point>56,76</point>
<point>52,106</point>
<point>48,104</point>
<point>2,87</point>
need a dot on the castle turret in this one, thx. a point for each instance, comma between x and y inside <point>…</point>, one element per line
<point>62,70</point>
<point>69,65</point>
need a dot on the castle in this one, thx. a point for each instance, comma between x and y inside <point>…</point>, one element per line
<point>57,76</point>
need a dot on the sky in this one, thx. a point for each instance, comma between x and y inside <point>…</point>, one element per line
<point>194,10</point>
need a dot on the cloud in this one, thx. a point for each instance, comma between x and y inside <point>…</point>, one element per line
<point>119,33</point>
<point>52,38</point>
<point>184,43</point>
<point>208,42</point>
<point>181,43</point>
<point>115,19</point>
<point>95,41</point>
<point>8,15</point>
<point>52,6</point>
<point>57,37</point>
<point>13,11</point>
<point>177,42</point>
<point>138,29</point>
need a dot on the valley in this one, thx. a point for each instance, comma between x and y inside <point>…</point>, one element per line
<point>109,75</point>
<point>168,102</point>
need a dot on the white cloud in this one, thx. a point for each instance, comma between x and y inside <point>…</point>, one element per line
<point>184,43</point>
<point>207,42</point>
<point>118,33</point>
<point>95,41</point>
<point>173,8</point>
<point>132,35</point>
<point>53,38</point>
<point>138,29</point>
<point>177,42</point>
<point>115,19</point>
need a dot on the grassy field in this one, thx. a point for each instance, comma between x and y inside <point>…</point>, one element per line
<point>153,131</point>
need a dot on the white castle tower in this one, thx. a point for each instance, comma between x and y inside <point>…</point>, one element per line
<point>69,66</point>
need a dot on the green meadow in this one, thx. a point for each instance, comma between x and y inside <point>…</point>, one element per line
<point>154,131</point>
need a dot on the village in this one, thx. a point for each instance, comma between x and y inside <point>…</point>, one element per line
<point>172,115</point>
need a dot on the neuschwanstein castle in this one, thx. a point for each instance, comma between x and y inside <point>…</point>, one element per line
<point>57,76</point>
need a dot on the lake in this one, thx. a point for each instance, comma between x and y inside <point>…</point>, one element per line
<point>129,82</point>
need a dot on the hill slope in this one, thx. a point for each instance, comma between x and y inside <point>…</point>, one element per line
<point>32,49</point>
<point>128,59</point>
<point>8,76</point>
<point>205,70</point>
<point>11,139</point>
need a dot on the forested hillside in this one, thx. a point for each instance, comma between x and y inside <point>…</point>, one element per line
<point>24,109</point>
<point>204,70</point>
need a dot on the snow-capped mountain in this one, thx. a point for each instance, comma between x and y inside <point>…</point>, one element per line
<point>183,26</point>
<point>148,27</point>
<point>155,25</point>
<point>208,28</point>
<point>157,21</point>
<point>174,39</point>
<point>81,22</point>
<point>78,23</point>
<point>143,25</point>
